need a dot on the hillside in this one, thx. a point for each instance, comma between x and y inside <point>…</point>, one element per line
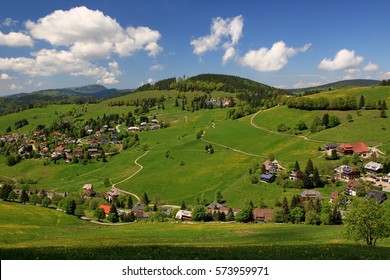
<point>334,86</point>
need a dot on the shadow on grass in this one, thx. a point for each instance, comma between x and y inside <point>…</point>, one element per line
<point>157,252</point>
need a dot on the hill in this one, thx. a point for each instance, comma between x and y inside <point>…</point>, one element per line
<point>336,85</point>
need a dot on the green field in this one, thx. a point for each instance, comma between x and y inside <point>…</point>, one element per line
<point>32,232</point>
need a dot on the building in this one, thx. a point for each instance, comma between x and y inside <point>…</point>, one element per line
<point>350,187</point>
<point>357,148</point>
<point>331,146</point>
<point>310,194</point>
<point>271,167</point>
<point>106,208</point>
<point>347,172</point>
<point>268,178</point>
<point>373,167</point>
<point>379,196</point>
<point>184,215</point>
<point>262,215</point>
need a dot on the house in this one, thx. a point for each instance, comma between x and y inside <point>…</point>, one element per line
<point>271,167</point>
<point>358,148</point>
<point>331,146</point>
<point>89,191</point>
<point>262,215</point>
<point>140,215</point>
<point>106,208</point>
<point>113,193</point>
<point>268,178</point>
<point>347,172</point>
<point>184,215</point>
<point>379,196</point>
<point>78,152</point>
<point>310,194</point>
<point>334,197</point>
<point>350,187</point>
<point>214,205</point>
<point>296,175</point>
<point>373,167</point>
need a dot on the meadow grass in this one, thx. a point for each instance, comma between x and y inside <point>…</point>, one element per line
<point>33,232</point>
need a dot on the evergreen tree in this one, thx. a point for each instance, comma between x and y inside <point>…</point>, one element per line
<point>218,197</point>
<point>309,168</point>
<point>129,203</point>
<point>383,114</point>
<point>24,196</point>
<point>296,166</point>
<point>325,120</point>
<point>295,201</point>
<point>183,205</point>
<point>99,214</point>
<point>145,200</point>
<point>316,179</point>
<point>286,210</point>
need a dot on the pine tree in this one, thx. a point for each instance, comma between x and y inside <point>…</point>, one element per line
<point>24,196</point>
<point>362,102</point>
<point>286,210</point>
<point>296,166</point>
<point>129,203</point>
<point>316,178</point>
<point>183,205</point>
<point>309,168</point>
<point>145,200</point>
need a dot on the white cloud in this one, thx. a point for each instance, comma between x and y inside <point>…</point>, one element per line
<point>371,67</point>
<point>347,77</point>
<point>15,87</point>
<point>344,59</point>
<point>224,33</point>
<point>91,34</point>
<point>157,67</point>
<point>386,75</point>
<point>4,76</point>
<point>302,84</point>
<point>150,81</point>
<point>15,39</point>
<point>9,22</point>
<point>80,36</point>
<point>352,70</point>
<point>272,59</point>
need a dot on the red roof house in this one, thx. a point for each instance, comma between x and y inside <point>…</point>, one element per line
<point>106,208</point>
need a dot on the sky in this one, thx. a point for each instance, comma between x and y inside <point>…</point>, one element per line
<point>123,44</point>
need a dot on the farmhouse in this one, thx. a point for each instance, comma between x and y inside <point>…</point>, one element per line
<point>310,194</point>
<point>331,146</point>
<point>271,167</point>
<point>112,194</point>
<point>347,172</point>
<point>268,178</point>
<point>262,215</point>
<point>88,190</point>
<point>377,195</point>
<point>373,167</point>
<point>296,175</point>
<point>358,148</point>
<point>106,208</point>
<point>184,215</point>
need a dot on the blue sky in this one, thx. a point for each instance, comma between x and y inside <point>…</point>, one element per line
<point>123,44</point>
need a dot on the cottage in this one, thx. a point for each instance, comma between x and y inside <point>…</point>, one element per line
<point>113,193</point>
<point>310,194</point>
<point>373,167</point>
<point>184,215</point>
<point>267,178</point>
<point>379,196</point>
<point>331,146</point>
<point>262,215</point>
<point>296,175</point>
<point>334,197</point>
<point>350,187</point>
<point>271,167</point>
<point>140,215</point>
<point>89,191</point>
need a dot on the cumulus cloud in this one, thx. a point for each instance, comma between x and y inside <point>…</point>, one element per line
<point>15,39</point>
<point>371,67</point>
<point>4,76</point>
<point>273,59</point>
<point>352,70</point>
<point>224,33</point>
<point>9,22</point>
<point>157,67</point>
<point>344,59</point>
<point>79,36</point>
<point>15,87</point>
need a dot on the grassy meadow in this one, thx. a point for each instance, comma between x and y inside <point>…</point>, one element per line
<point>33,232</point>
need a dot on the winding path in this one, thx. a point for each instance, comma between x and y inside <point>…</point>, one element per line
<point>131,176</point>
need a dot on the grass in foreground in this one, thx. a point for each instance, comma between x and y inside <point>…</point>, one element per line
<point>31,232</point>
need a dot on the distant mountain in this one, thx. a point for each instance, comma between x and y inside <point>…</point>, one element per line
<point>336,85</point>
<point>78,95</point>
<point>95,91</point>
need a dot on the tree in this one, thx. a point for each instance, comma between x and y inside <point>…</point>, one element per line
<point>113,216</point>
<point>46,201</point>
<point>144,199</point>
<point>12,196</point>
<point>383,114</point>
<point>5,191</point>
<point>99,214</point>
<point>24,196</point>
<point>129,203</point>
<point>286,210</point>
<point>199,213</point>
<point>309,168</point>
<point>361,102</point>
<point>367,221</point>
<point>349,118</point>
<point>106,182</point>
<point>245,215</point>
<point>218,197</point>
<point>68,205</point>
<point>34,199</point>
<point>79,211</point>
<point>297,214</point>
<point>183,205</point>
<point>296,166</point>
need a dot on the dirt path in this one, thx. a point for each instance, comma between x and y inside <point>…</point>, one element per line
<point>282,134</point>
<point>131,176</point>
<point>229,148</point>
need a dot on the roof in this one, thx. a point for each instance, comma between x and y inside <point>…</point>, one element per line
<point>377,195</point>
<point>106,208</point>
<point>266,176</point>
<point>311,194</point>
<point>215,205</point>
<point>358,147</point>
<point>334,195</point>
<point>182,213</point>
<point>88,187</point>
<point>262,214</point>
<point>351,184</point>
<point>374,166</point>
